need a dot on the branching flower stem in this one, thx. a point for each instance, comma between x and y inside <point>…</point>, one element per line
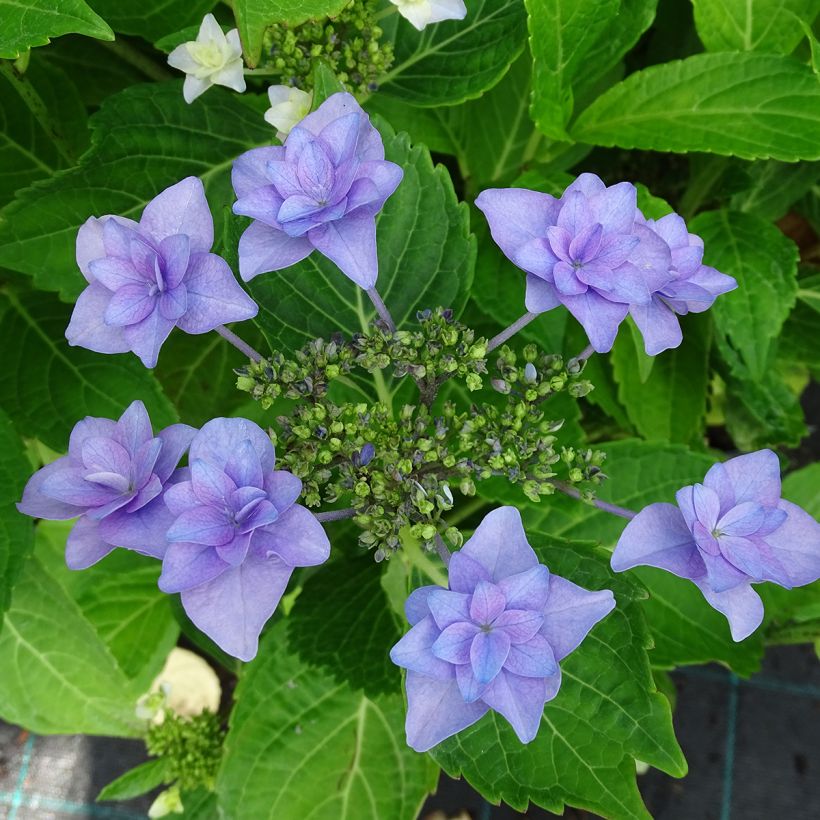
<point>572,492</point>
<point>242,347</point>
<point>507,333</point>
<point>335,515</point>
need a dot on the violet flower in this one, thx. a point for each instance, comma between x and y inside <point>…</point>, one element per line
<point>730,532</point>
<point>237,534</point>
<point>321,190</point>
<point>693,290</point>
<point>493,640</point>
<point>146,278</point>
<point>112,479</point>
<point>588,250</point>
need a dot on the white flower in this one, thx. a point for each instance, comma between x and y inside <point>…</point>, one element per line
<point>288,106</point>
<point>187,684</point>
<point>422,12</point>
<point>214,58</point>
<point>167,802</point>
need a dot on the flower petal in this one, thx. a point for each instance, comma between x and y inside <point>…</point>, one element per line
<point>741,605</point>
<point>414,651</point>
<point>488,652</point>
<point>350,242</point>
<point>520,700</point>
<point>263,249</point>
<point>283,488</point>
<point>38,505</point>
<point>796,544</point>
<point>219,440</point>
<point>751,477</point>
<point>189,565</point>
<point>181,209</point>
<point>500,544</point>
<point>84,546</point>
<point>528,589</point>
<point>453,644</point>
<point>448,607</point>
<point>143,531</point>
<point>296,537</point>
<point>202,525</point>
<point>87,327</point>
<point>415,607</point>
<point>465,573</point>
<point>532,659</point>
<point>519,624</point>
<point>175,441</point>
<point>598,316</point>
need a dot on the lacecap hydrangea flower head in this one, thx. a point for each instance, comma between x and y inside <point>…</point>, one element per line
<point>147,277</point>
<point>494,638</point>
<point>320,191</point>
<point>236,534</point>
<point>729,532</point>
<point>594,252</point>
<point>112,480</point>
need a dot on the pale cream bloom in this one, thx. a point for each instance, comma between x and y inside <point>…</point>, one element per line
<point>288,106</point>
<point>421,13</point>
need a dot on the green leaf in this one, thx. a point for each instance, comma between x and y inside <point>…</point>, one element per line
<point>426,257</point>
<point>28,23</point>
<point>47,387</point>
<point>301,746</point>
<point>667,403</point>
<point>152,20</point>
<point>455,60</point>
<point>561,34</point>
<point>753,106</point>
<point>775,187</point>
<point>254,16</point>
<point>143,140</point>
<point>58,676</point>
<point>607,713</point>
<point>325,83</point>
<point>764,25</point>
<point>16,530</point>
<point>764,262</point>
<point>137,781</point>
<point>342,622</point>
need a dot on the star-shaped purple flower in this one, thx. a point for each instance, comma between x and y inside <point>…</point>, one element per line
<point>493,640</point>
<point>146,278</point>
<point>237,534</point>
<point>321,190</point>
<point>588,250</point>
<point>693,290</point>
<point>112,479</point>
<point>726,534</point>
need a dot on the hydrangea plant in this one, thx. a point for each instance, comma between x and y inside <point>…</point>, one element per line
<point>416,509</point>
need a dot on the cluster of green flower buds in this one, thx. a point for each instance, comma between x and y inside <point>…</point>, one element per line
<point>350,43</point>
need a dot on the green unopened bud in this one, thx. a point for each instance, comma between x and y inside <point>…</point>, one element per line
<point>473,382</point>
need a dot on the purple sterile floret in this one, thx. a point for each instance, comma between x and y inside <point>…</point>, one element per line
<point>693,290</point>
<point>494,638</point>
<point>147,277</point>
<point>236,534</point>
<point>588,250</point>
<point>112,480</point>
<point>729,532</point>
<point>320,191</point>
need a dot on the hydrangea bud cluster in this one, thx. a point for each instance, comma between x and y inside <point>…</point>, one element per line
<point>350,43</point>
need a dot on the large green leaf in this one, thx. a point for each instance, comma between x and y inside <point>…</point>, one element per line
<point>58,675</point>
<point>27,23</point>
<point>561,34</point>
<point>753,106</point>
<point>302,747</point>
<point>775,186</point>
<point>152,20</point>
<point>455,60</point>
<point>16,530</point>
<point>802,327</point>
<point>762,25</point>
<point>764,262</point>
<point>47,386</point>
<point>607,713</point>
<point>144,140</point>
<point>669,403</point>
<point>254,16</point>
<point>426,257</point>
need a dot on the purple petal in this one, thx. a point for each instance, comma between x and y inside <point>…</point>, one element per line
<point>707,505</point>
<point>526,590</point>
<point>541,296</point>
<point>536,257</point>
<point>146,337</point>
<point>598,316</point>
<point>84,545</point>
<point>520,700</point>
<point>143,531</point>
<point>258,514</point>
<point>38,505</point>
<point>219,440</point>
<point>85,428</point>
<point>488,652</point>
<point>87,327</point>
<point>369,144</point>
<point>89,245</point>
<point>414,651</point>
<point>263,204</point>
<point>658,537</point>
<point>211,486</point>
<point>296,537</point>
<point>202,525</point>
<point>250,169</point>
<point>560,240</point>
<point>173,303</point>
<point>471,689</point>
<point>500,545</point>
<point>180,498</point>
<point>386,176</point>
<point>244,467</point>
<point>148,492</point>
<point>672,229</point>
<point>175,441</point>
<point>233,607</point>
<point>615,249</point>
<point>284,179</point>
<point>453,644</point>
<point>464,573</point>
<point>615,208</point>
<point>652,258</point>
<point>129,305</point>
<point>658,325</point>
<point>532,659</point>
<point>351,244</point>
<point>742,553</point>
<point>181,209</point>
<point>741,605</point>
<point>720,574</point>
<point>114,273</point>
<point>584,246</point>
<point>751,477</point>
<point>145,457</point>
<point>133,429</point>
<point>571,612</point>
<point>189,565</point>
<point>587,183</point>
<point>487,602</point>
<point>436,710</point>
<point>214,296</point>
<point>415,607</point>
<point>575,213</point>
<point>519,624</point>
<point>263,249</point>
<point>69,486</point>
<point>103,454</point>
<point>744,519</point>
<point>236,550</point>
<point>283,488</point>
<point>566,279</point>
<point>796,544</point>
<point>176,251</point>
<point>448,607</point>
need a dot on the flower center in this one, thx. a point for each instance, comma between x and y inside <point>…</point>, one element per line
<point>208,55</point>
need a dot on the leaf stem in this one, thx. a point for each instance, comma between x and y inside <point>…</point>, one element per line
<point>242,347</point>
<point>381,309</point>
<point>505,334</point>
<point>572,492</point>
<point>335,515</point>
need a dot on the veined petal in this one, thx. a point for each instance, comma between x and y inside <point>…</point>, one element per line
<point>486,603</point>
<point>414,651</point>
<point>500,544</point>
<point>532,659</point>
<point>488,652</point>
<point>520,700</point>
<point>453,644</point>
